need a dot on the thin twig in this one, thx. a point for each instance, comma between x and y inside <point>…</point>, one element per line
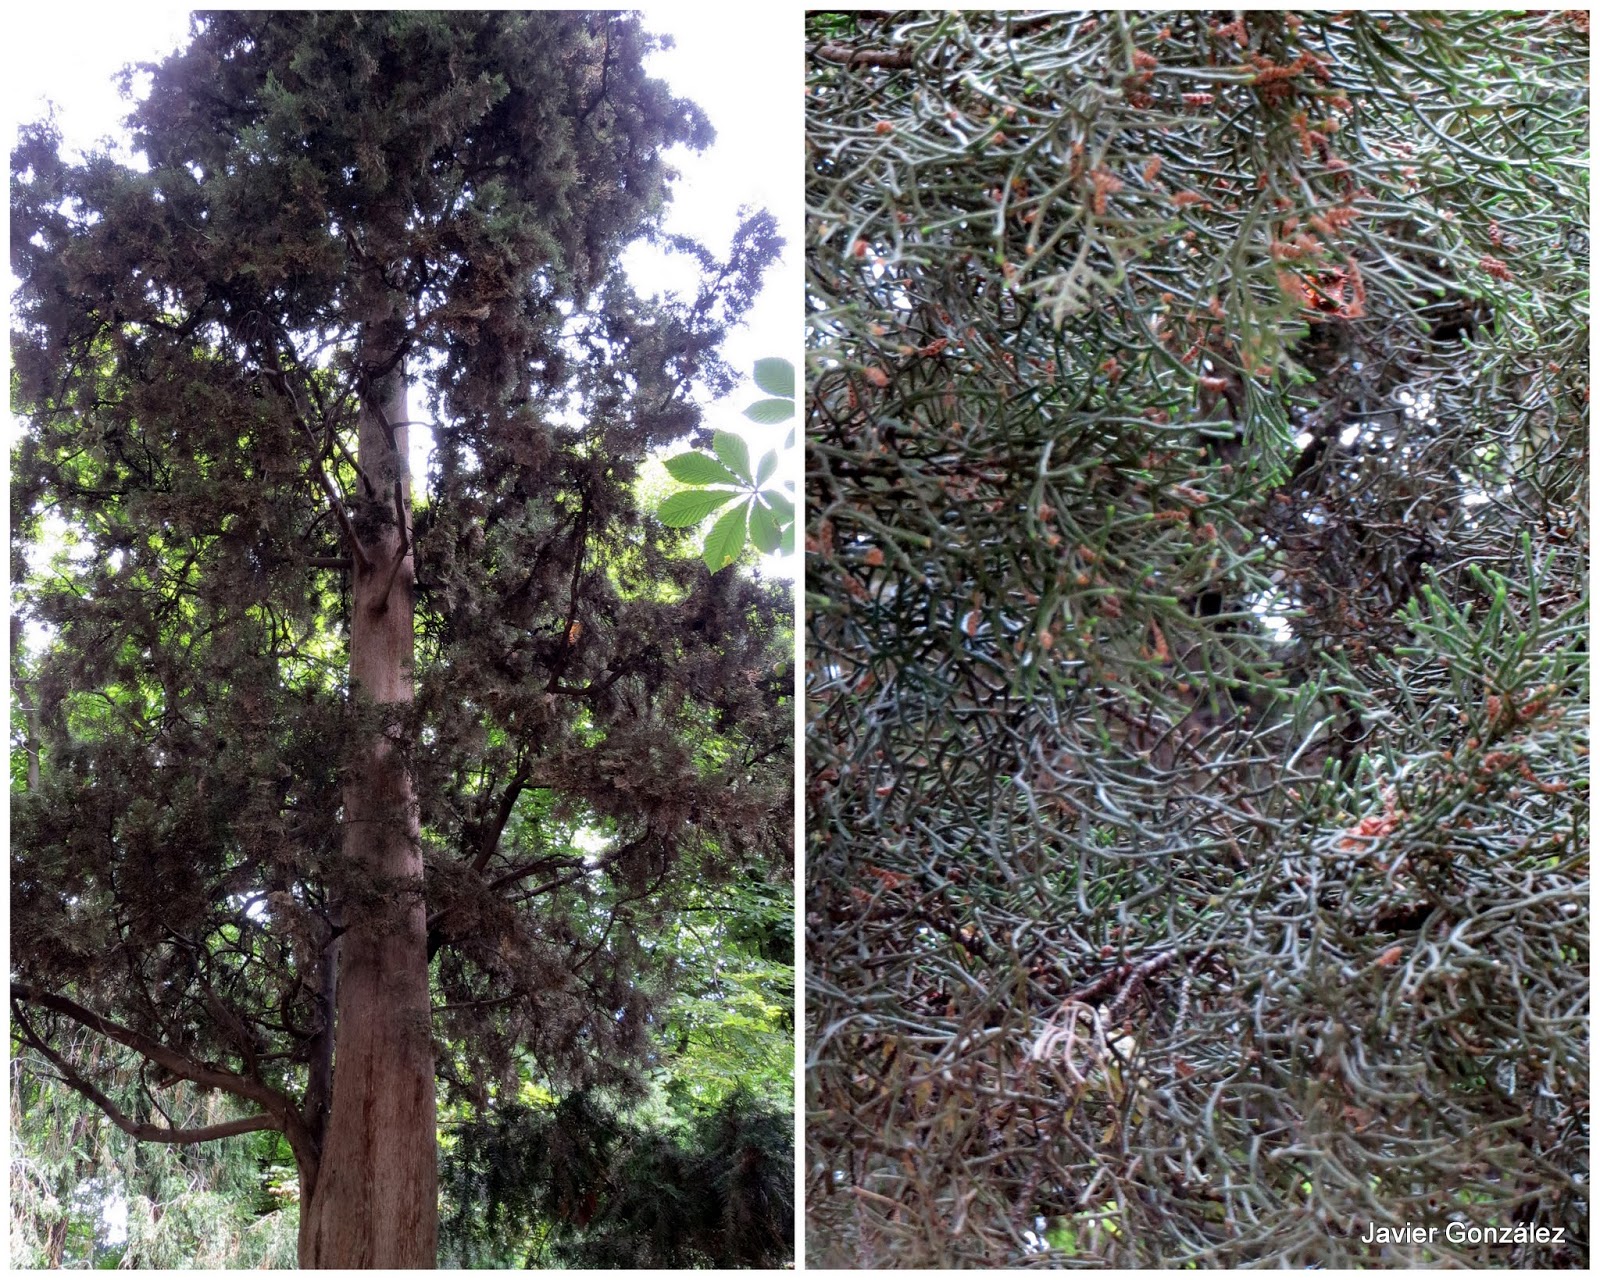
<point>405,544</point>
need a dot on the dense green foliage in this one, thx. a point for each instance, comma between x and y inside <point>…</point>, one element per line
<point>602,729</point>
<point>581,1186</point>
<point>225,1204</point>
<point>1197,453</point>
<point>701,1173</point>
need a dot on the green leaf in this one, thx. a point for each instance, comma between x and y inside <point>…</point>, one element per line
<point>780,504</point>
<point>764,530</point>
<point>682,510</point>
<point>699,468</point>
<point>769,464</point>
<point>770,412</point>
<point>734,453</point>
<point>786,543</point>
<point>775,376</point>
<point>726,539</point>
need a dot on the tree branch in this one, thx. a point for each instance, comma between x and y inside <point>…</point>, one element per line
<point>488,843</point>
<point>343,516</point>
<point>367,378</point>
<point>897,59</point>
<point>177,1063</point>
<point>23,701</point>
<point>280,381</point>
<point>490,840</point>
<point>581,535</point>
<point>618,670</point>
<point>226,1017</point>
<point>584,868</point>
<point>319,1075</point>
<point>405,541</point>
<point>511,877</point>
<point>134,1128</point>
<point>579,869</point>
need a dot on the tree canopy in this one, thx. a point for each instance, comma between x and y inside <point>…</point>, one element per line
<point>1197,608</point>
<point>296,735</point>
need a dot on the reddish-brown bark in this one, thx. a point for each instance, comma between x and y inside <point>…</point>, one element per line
<point>370,1199</point>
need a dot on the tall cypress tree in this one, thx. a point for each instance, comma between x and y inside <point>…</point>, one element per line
<point>318,757</point>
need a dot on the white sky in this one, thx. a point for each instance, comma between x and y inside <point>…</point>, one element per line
<point>744,74</point>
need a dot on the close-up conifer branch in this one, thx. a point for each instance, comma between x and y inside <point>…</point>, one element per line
<point>1197,613</point>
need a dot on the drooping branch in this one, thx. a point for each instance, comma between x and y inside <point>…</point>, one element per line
<point>135,1128</point>
<point>178,1064</point>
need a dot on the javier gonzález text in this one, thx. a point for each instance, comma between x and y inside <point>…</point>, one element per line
<point>1463,1233</point>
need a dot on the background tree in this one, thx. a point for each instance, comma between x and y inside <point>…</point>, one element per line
<point>85,1195</point>
<point>701,1173</point>
<point>329,772</point>
<point>1196,580</point>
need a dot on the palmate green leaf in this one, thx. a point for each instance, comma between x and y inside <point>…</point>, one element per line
<point>735,454</point>
<point>726,540</point>
<point>770,412</point>
<point>699,468</point>
<point>682,510</point>
<point>780,503</point>
<point>775,376</point>
<point>768,522</point>
<point>764,531</point>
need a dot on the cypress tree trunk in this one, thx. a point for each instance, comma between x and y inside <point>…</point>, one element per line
<point>372,1200</point>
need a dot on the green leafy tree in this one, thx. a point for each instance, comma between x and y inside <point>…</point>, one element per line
<point>334,786</point>
<point>1196,456</point>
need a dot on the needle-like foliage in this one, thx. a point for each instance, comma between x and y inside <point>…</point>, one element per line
<point>1197,611</point>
